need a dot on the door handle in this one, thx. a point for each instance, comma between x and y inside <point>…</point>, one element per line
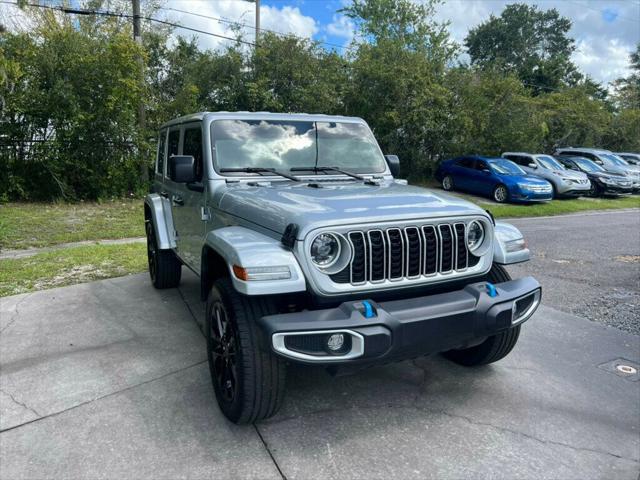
<point>177,200</point>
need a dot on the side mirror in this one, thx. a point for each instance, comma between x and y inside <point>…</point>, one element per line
<point>533,165</point>
<point>394,164</point>
<point>599,162</point>
<point>182,168</point>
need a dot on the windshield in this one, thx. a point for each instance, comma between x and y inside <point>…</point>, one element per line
<point>550,163</point>
<point>506,167</point>
<point>610,159</point>
<point>587,165</point>
<point>289,144</point>
<point>616,160</point>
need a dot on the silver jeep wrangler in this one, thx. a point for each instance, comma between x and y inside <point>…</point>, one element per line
<point>309,250</point>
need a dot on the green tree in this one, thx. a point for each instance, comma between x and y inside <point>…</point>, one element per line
<point>627,89</point>
<point>396,79</point>
<point>530,43</point>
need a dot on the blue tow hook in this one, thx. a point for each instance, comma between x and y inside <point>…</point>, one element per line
<point>491,290</point>
<point>368,310</point>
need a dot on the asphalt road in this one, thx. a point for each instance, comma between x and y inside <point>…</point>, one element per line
<point>588,264</point>
<point>108,380</point>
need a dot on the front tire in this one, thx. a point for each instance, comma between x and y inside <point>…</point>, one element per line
<point>494,348</point>
<point>165,269</point>
<point>248,379</point>
<point>500,194</point>
<point>447,183</point>
<point>595,190</point>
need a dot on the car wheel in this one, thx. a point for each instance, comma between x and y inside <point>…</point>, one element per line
<point>248,379</point>
<point>165,269</point>
<point>500,194</point>
<point>594,190</point>
<point>447,183</point>
<point>495,347</point>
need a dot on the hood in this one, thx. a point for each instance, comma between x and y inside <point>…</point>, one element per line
<point>532,179</point>
<point>607,174</point>
<point>275,205</point>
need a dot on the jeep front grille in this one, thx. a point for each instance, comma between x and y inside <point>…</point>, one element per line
<point>406,253</point>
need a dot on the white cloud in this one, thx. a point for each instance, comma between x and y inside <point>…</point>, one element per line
<point>285,19</point>
<point>342,27</point>
<point>606,32</point>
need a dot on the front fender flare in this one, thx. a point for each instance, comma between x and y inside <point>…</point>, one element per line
<point>162,220</point>
<point>247,248</point>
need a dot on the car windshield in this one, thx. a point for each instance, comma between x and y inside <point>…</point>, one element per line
<point>550,163</point>
<point>612,160</point>
<point>587,165</point>
<point>506,167</point>
<point>616,159</point>
<point>284,145</point>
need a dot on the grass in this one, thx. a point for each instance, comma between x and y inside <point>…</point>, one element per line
<point>70,266</point>
<point>554,207</point>
<point>26,225</point>
<point>559,207</point>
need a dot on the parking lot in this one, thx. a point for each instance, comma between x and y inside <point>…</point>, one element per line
<point>109,380</point>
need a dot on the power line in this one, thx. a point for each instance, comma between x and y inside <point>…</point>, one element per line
<point>232,22</point>
<point>77,11</point>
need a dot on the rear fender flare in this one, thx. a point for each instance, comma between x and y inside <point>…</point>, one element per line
<point>159,210</point>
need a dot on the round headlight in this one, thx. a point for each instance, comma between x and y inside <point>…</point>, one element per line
<point>475,235</point>
<point>325,250</point>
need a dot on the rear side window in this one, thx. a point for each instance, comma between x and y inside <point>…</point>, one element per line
<point>174,142</point>
<point>520,160</point>
<point>192,145</point>
<point>161,144</point>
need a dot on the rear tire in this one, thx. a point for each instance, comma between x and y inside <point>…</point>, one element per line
<point>494,348</point>
<point>165,269</point>
<point>248,379</point>
<point>595,190</point>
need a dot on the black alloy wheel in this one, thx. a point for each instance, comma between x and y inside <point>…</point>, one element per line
<point>222,351</point>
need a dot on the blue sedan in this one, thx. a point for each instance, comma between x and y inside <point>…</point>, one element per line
<point>500,179</point>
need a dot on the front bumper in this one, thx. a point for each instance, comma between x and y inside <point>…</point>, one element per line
<point>609,189</point>
<point>573,189</point>
<point>402,329</point>
<point>531,196</point>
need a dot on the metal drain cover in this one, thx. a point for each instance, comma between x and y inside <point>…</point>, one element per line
<point>623,368</point>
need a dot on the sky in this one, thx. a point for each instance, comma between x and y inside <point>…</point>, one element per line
<point>605,31</point>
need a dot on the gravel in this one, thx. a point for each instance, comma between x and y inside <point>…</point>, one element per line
<point>588,265</point>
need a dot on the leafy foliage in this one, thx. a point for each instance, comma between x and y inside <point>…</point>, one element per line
<point>70,90</point>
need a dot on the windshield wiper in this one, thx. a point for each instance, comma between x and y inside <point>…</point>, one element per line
<point>334,169</point>
<point>259,170</point>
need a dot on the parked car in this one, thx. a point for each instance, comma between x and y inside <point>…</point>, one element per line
<point>630,158</point>
<point>498,178</point>
<point>565,183</point>
<point>602,182</point>
<point>309,250</point>
<point>607,160</point>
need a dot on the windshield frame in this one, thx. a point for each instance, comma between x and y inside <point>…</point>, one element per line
<point>384,171</point>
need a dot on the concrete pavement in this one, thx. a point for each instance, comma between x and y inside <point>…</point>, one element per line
<point>108,380</point>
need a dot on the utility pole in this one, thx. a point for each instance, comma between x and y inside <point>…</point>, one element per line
<point>257,21</point>
<point>137,37</point>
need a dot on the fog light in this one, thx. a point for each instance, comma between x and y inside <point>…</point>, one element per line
<point>335,342</point>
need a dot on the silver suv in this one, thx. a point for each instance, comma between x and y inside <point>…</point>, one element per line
<point>606,159</point>
<point>566,183</point>
<point>309,250</point>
